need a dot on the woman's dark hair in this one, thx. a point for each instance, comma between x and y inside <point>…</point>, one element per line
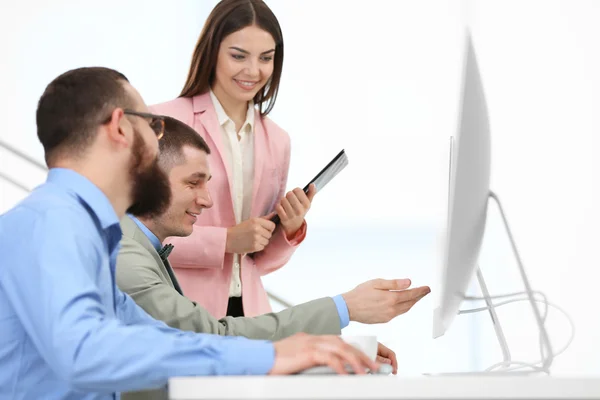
<point>227,17</point>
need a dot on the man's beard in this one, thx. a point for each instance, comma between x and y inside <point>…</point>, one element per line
<point>151,191</point>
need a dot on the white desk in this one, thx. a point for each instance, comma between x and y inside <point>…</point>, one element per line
<point>383,387</point>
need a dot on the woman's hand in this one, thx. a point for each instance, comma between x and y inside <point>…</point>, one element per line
<point>293,208</point>
<point>250,236</point>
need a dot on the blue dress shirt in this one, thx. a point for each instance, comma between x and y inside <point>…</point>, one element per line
<point>66,330</point>
<point>342,309</point>
<point>340,303</point>
<point>149,234</point>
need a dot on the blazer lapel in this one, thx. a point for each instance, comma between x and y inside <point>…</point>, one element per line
<point>130,229</point>
<point>260,144</point>
<point>167,266</point>
<point>203,106</point>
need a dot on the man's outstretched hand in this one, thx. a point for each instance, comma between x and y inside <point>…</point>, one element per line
<point>381,300</point>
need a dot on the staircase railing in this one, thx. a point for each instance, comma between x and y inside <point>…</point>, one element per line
<point>32,161</point>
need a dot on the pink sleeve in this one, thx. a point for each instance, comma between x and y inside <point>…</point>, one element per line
<point>204,248</point>
<point>280,249</point>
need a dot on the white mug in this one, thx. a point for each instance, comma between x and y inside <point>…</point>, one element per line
<point>368,344</point>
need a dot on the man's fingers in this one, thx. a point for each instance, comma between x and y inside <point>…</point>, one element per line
<point>411,294</point>
<point>328,353</point>
<point>383,360</point>
<point>336,363</point>
<point>405,301</point>
<point>360,361</point>
<point>405,306</point>
<point>392,284</point>
<point>388,354</point>
<point>350,355</point>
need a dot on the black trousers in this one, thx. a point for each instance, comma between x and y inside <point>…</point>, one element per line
<point>235,307</point>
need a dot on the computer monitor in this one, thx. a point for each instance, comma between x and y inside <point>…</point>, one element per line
<point>468,193</point>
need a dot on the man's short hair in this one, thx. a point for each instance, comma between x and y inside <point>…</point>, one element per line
<point>74,105</point>
<point>177,136</point>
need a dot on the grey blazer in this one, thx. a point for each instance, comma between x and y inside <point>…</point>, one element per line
<point>152,284</point>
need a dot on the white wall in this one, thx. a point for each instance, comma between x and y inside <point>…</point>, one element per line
<point>149,41</point>
<point>383,83</point>
<point>541,64</point>
<point>380,78</point>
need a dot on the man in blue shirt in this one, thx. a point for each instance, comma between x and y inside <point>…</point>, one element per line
<point>66,330</point>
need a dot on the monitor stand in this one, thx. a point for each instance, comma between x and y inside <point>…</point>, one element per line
<point>507,360</point>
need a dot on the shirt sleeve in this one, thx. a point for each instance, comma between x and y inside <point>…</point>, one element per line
<point>55,278</point>
<point>342,309</point>
<point>131,314</point>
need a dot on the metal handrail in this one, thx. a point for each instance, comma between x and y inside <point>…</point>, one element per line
<point>13,182</point>
<point>279,300</point>
<point>41,166</point>
<point>23,156</point>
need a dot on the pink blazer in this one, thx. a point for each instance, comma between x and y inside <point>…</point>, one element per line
<point>199,260</point>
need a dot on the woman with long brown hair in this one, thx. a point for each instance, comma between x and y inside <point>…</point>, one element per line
<point>231,86</point>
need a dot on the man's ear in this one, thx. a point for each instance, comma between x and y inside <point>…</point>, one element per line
<point>120,129</point>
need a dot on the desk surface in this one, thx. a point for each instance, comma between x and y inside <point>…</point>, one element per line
<point>384,387</point>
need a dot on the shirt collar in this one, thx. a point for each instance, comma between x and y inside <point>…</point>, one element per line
<point>222,116</point>
<point>88,192</point>
<point>151,236</point>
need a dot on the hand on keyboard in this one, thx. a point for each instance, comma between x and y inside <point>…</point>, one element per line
<point>301,351</point>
